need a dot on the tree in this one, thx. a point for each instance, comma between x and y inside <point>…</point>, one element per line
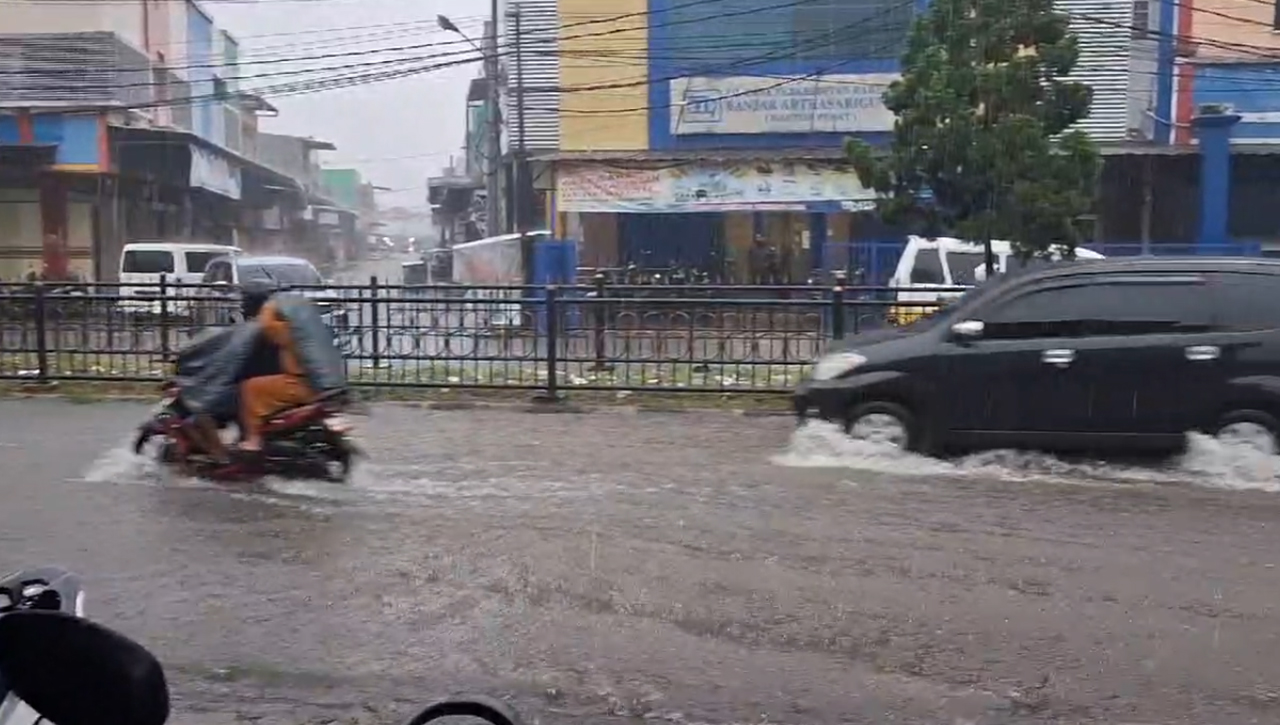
<point>981,148</point>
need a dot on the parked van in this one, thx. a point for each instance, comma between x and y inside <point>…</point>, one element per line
<point>929,267</point>
<point>143,263</point>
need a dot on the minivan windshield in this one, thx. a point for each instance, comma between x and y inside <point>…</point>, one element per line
<point>147,261</point>
<point>284,273</point>
<point>964,266</point>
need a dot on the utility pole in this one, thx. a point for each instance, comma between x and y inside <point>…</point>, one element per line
<point>493,151</point>
<point>520,169</point>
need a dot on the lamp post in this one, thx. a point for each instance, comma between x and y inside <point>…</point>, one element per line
<point>493,145</point>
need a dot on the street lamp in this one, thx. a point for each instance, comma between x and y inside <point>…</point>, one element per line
<point>493,144</point>
<point>447,25</point>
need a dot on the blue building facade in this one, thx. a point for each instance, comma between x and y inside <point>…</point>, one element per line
<point>763,65</point>
<point>201,72</point>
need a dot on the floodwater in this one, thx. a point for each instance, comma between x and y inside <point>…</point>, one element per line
<point>687,568</point>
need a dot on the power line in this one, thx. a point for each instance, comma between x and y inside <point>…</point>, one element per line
<point>467,42</point>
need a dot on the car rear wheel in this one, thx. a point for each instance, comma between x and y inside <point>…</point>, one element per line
<point>1251,429</point>
<point>883,423</point>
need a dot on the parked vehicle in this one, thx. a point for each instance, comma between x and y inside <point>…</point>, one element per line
<point>224,275</point>
<point>142,264</point>
<point>930,271</point>
<point>1115,356</point>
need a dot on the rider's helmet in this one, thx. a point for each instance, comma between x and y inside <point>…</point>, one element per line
<point>254,295</point>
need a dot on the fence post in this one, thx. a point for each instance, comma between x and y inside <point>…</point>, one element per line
<point>164,317</point>
<point>375,353</point>
<point>599,324</point>
<point>551,311</point>
<point>42,339</point>
<point>837,307</point>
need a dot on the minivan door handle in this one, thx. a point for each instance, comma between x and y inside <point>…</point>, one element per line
<point>1197,353</point>
<point>1061,358</point>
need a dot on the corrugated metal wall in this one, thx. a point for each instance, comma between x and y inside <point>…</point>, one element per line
<point>63,68</point>
<point>539,69</point>
<point>1104,33</point>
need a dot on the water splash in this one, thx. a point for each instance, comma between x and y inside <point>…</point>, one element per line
<point>1207,462</point>
<point>121,465</point>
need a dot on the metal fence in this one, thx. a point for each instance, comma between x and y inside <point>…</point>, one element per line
<point>553,339</point>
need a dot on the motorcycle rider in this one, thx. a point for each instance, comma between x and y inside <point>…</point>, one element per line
<point>273,377</point>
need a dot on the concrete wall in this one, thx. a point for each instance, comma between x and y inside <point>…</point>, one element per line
<point>124,18</point>
<point>608,50</point>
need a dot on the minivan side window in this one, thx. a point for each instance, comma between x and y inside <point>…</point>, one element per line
<point>1245,302</point>
<point>1103,309</point>
<point>198,262</point>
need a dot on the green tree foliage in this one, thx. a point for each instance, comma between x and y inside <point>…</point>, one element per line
<point>982,117</point>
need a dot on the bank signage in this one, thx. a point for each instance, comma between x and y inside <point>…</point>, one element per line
<point>753,104</point>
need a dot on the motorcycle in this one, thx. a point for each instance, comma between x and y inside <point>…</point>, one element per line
<point>308,442</point>
<point>71,671</point>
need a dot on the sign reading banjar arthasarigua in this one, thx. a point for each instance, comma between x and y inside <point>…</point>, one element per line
<point>755,104</point>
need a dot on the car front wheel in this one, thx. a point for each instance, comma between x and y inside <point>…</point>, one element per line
<point>883,423</point>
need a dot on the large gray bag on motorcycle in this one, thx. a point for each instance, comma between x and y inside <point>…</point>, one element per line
<point>209,373</point>
<point>313,342</point>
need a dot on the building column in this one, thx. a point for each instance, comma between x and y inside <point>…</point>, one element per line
<point>1213,131</point>
<point>53,226</point>
<point>817,240</point>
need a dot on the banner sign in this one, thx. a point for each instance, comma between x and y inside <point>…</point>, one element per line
<point>215,173</point>
<point>755,104</point>
<point>753,186</point>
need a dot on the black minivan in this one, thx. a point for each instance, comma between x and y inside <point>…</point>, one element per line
<point>1115,356</point>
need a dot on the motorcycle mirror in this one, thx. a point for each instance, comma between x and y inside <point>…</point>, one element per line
<point>75,672</point>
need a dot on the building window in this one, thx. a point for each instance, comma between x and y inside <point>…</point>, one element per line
<point>1141,26</point>
<point>219,89</point>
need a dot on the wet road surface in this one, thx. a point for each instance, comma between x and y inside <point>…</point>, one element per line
<point>616,565</point>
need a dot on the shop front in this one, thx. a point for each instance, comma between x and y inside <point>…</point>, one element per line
<point>733,220</point>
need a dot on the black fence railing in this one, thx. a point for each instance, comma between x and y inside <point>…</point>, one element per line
<point>555,339</point>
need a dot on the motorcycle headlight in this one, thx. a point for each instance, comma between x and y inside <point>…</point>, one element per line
<point>836,364</point>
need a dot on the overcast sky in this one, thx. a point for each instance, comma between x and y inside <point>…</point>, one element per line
<point>397,132</point>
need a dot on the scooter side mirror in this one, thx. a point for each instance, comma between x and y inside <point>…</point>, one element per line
<point>74,672</point>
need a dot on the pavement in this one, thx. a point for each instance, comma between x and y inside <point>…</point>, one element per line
<point>682,568</point>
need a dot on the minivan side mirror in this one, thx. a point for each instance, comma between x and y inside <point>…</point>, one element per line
<point>968,329</point>
<point>75,672</point>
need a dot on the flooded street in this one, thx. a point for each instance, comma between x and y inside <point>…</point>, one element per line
<point>674,567</point>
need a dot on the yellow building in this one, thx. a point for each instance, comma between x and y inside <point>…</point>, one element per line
<point>663,164</point>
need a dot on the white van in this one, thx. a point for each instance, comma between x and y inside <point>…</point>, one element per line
<point>143,263</point>
<point>929,266</point>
